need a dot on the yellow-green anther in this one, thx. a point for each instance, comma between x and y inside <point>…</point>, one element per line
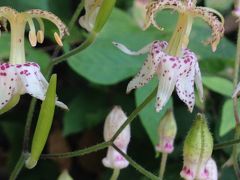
<point>103,14</point>
<point>13,102</point>
<point>43,124</point>
<point>197,149</point>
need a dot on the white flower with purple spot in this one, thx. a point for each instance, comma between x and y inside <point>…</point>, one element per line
<point>179,72</point>
<point>18,76</point>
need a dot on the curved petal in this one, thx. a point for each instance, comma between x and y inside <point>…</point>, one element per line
<point>149,67</point>
<point>208,15</point>
<point>33,82</point>
<point>168,72</point>
<point>185,81</point>
<point>198,81</point>
<point>157,6</point>
<point>125,50</point>
<point>8,85</point>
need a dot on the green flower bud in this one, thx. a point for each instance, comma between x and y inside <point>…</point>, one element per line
<point>167,132</point>
<point>65,175</point>
<point>44,124</point>
<point>103,14</point>
<point>197,150</point>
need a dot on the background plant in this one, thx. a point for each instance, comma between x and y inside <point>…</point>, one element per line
<point>93,81</point>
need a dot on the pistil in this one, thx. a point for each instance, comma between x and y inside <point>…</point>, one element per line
<point>180,37</point>
<point>17,52</point>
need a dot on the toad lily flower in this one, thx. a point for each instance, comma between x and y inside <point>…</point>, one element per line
<point>92,8</point>
<point>171,71</point>
<point>18,77</point>
<point>173,63</point>
<point>188,10</point>
<point>113,122</point>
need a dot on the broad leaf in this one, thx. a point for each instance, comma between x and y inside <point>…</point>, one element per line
<point>219,85</point>
<point>228,120</point>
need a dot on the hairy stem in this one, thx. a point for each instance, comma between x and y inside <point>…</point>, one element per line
<point>17,168</point>
<point>75,15</point>
<point>235,106</point>
<point>136,165</point>
<point>226,144</point>
<point>63,57</point>
<point>115,174</point>
<point>135,113</point>
<point>28,124</point>
<point>163,165</point>
<point>78,152</point>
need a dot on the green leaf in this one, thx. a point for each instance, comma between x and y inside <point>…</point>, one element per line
<point>219,85</point>
<point>227,120</point>
<point>85,111</point>
<point>149,117</point>
<point>221,5</point>
<point>102,63</point>
<point>22,5</point>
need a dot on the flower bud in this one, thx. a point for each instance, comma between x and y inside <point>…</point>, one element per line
<point>167,131</point>
<point>44,124</point>
<point>65,175</point>
<point>197,150</point>
<point>113,122</point>
<point>211,170</point>
<point>139,11</point>
<point>97,13</point>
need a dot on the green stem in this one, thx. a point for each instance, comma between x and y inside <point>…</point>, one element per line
<point>75,15</point>
<point>235,106</point>
<point>17,168</point>
<point>28,125</point>
<point>163,165</point>
<point>226,144</point>
<point>115,174</point>
<point>63,57</point>
<point>136,165</point>
<point>78,152</point>
<point>135,113</point>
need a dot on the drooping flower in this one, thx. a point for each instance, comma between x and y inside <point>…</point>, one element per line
<point>92,8</point>
<point>171,71</point>
<point>139,11</point>
<point>236,11</point>
<point>113,122</point>
<point>18,76</point>
<point>197,151</point>
<point>173,63</point>
<point>167,131</point>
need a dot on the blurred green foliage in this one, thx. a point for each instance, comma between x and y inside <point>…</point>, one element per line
<point>93,81</point>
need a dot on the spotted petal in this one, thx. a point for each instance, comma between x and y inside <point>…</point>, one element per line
<point>168,71</point>
<point>149,67</point>
<point>8,83</point>
<point>33,81</point>
<point>158,6</point>
<point>208,15</point>
<point>198,81</point>
<point>185,81</point>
